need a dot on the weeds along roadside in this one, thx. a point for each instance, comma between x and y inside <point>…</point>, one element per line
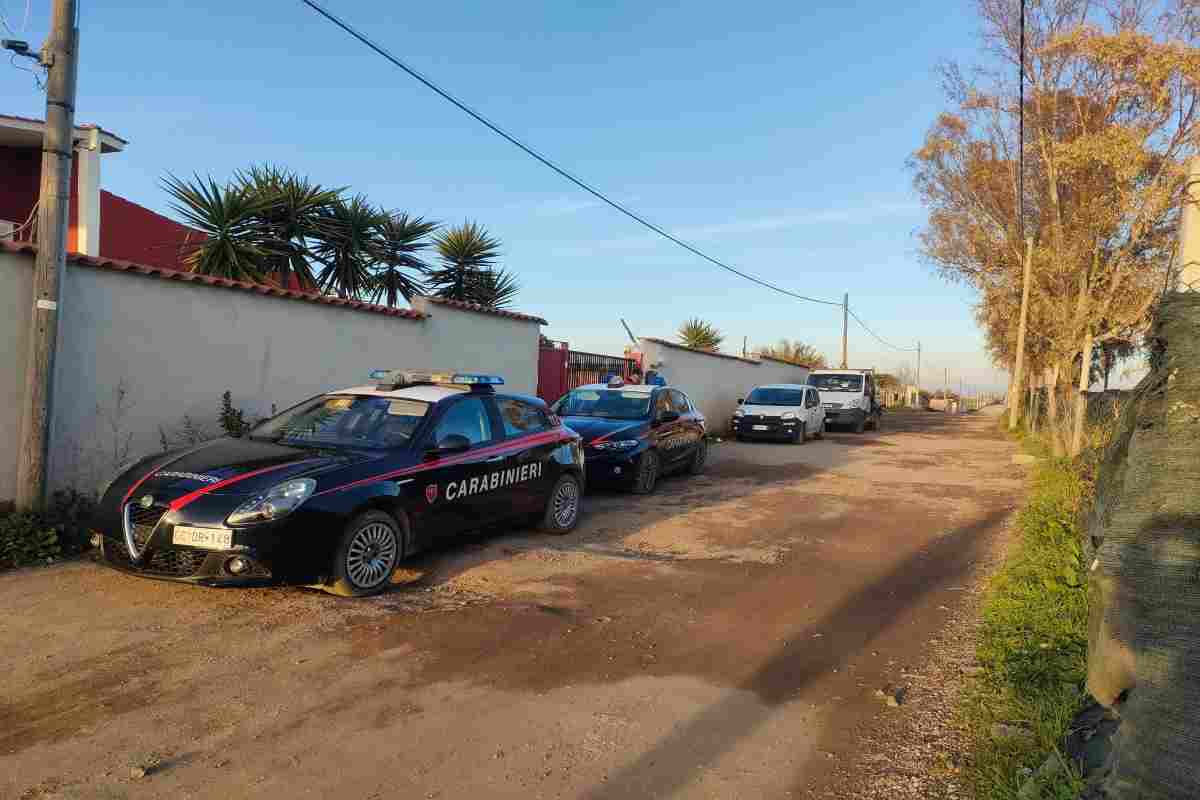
<point>1032,646</point>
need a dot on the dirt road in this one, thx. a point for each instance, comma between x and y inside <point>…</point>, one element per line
<point>722,638</point>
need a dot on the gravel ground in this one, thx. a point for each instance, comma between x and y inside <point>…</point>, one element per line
<point>723,638</point>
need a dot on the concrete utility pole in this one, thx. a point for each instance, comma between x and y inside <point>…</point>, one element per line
<point>1014,388</point>
<point>1188,277</point>
<point>60,56</point>
<point>845,328</point>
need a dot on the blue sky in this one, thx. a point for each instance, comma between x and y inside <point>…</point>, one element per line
<point>772,135</point>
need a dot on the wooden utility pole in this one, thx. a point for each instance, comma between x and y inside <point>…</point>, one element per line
<point>845,328</point>
<point>1014,387</point>
<point>60,57</point>
<point>918,374</point>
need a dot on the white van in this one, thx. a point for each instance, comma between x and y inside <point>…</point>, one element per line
<point>780,411</point>
<point>849,397</point>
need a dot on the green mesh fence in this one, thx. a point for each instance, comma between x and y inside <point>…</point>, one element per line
<point>1144,551</point>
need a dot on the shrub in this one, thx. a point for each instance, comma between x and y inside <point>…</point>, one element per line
<point>29,538</point>
<point>233,420</point>
<point>25,539</point>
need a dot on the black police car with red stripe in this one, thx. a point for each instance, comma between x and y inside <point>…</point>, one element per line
<point>335,491</point>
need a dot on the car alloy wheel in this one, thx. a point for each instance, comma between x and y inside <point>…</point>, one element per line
<point>701,456</point>
<point>371,556</point>
<point>564,506</point>
<point>647,474</point>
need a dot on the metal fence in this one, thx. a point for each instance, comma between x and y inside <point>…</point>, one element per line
<point>583,368</point>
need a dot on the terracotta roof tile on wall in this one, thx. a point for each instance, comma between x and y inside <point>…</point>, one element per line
<point>210,280</point>
<point>464,306</point>
<point>678,346</point>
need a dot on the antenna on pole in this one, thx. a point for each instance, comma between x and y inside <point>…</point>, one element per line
<point>632,338</point>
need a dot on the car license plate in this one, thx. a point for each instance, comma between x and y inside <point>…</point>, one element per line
<point>760,427</point>
<point>208,538</point>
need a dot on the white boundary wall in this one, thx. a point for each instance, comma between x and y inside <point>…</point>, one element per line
<point>137,354</point>
<point>715,381</point>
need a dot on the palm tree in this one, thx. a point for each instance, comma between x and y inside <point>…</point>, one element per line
<point>347,247</point>
<point>293,216</point>
<point>700,335</point>
<point>399,239</point>
<point>234,245</point>
<point>466,251</point>
<point>795,352</point>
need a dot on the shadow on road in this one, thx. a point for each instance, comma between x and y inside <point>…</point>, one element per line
<point>849,628</point>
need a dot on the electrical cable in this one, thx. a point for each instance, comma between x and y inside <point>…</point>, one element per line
<point>546,161</point>
<point>879,338</point>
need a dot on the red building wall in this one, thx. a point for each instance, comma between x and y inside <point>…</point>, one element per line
<point>19,191</point>
<point>133,233</point>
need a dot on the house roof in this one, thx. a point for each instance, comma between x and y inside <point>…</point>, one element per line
<point>210,280</point>
<point>463,306</point>
<point>18,131</point>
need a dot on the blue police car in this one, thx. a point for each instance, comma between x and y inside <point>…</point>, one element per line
<point>635,433</point>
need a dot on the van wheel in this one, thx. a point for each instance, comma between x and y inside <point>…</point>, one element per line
<point>820,434</point>
<point>860,424</point>
<point>372,545</point>
<point>801,434</point>
<point>562,509</point>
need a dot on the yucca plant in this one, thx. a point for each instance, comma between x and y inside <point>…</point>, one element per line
<point>494,288</point>
<point>346,249</point>
<point>233,245</point>
<point>700,335</point>
<point>293,217</point>
<point>465,251</point>
<point>399,269</point>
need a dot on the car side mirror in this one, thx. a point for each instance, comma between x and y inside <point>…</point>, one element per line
<point>449,445</point>
<point>741,400</point>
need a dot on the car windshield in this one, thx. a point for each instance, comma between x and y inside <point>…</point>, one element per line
<point>766,396</point>
<point>341,420</point>
<point>607,403</point>
<point>837,383</point>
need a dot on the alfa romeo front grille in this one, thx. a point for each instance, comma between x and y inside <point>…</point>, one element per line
<point>141,522</point>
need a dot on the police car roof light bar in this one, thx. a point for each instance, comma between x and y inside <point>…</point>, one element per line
<point>389,379</point>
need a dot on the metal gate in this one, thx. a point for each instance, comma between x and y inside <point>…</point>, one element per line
<point>583,368</point>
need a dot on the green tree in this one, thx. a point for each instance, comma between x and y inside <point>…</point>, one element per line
<point>346,250</point>
<point>234,244</point>
<point>293,214</point>
<point>269,225</point>
<point>794,352</point>
<point>399,269</point>
<point>494,288</point>
<point>700,335</point>
<point>468,255</point>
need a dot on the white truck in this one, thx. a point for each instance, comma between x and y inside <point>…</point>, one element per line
<point>849,397</point>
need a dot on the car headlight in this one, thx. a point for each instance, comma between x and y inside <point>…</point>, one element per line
<point>280,501</point>
<point>121,469</point>
<point>617,444</point>
<point>788,415</point>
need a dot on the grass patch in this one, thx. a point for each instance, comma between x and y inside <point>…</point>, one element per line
<point>1033,643</point>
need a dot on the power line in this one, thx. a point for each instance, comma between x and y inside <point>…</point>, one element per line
<point>879,338</point>
<point>546,161</point>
